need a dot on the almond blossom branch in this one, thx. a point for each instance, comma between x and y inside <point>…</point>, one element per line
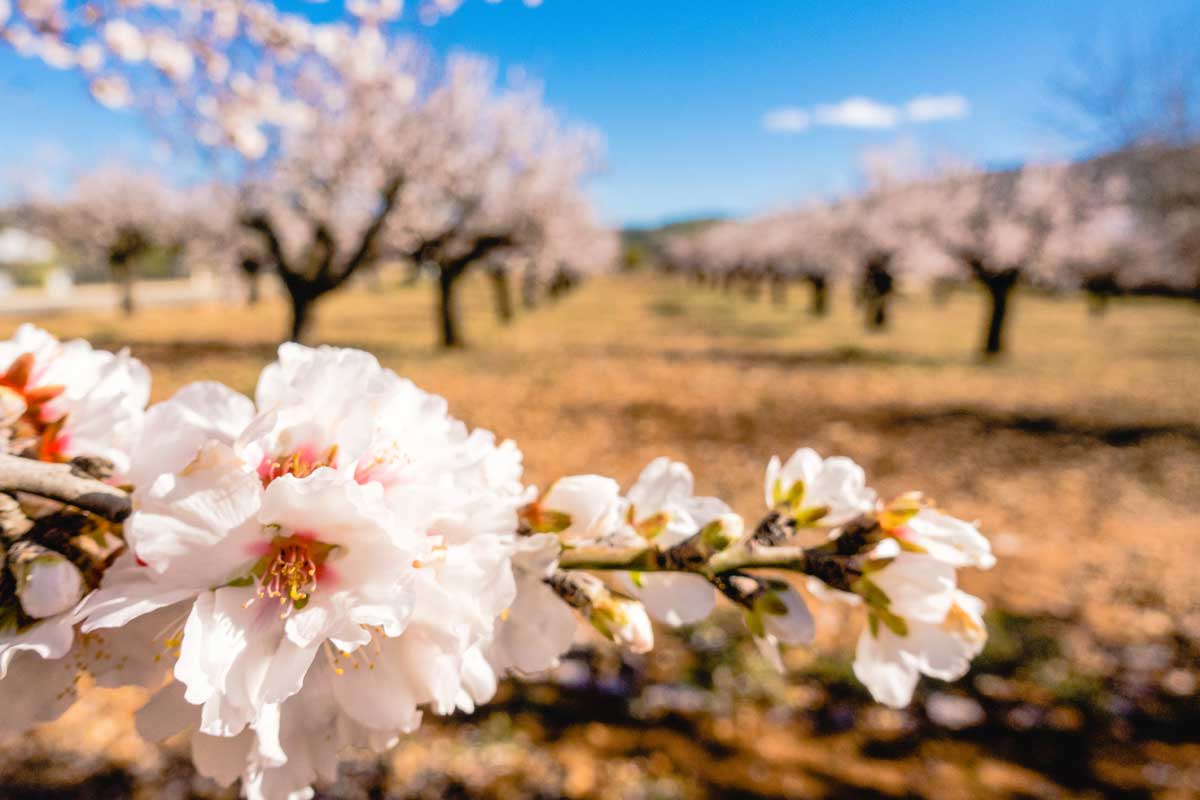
<point>832,562</point>
<point>651,559</point>
<point>379,576</point>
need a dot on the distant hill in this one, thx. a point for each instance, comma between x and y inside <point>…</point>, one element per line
<point>646,236</point>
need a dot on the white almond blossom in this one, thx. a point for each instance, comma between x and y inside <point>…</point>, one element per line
<point>125,40</point>
<point>343,531</point>
<point>919,526</point>
<point>918,622</point>
<point>539,627</point>
<point>58,400</point>
<point>49,639</point>
<point>111,91</point>
<point>312,736</point>
<point>63,399</point>
<point>660,508</point>
<point>41,665</point>
<point>36,682</point>
<point>889,662</point>
<point>581,509</point>
<point>818,491</point>
<point>625,622</point>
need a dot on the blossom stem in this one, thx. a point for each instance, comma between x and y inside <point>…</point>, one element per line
<point>651,559</point>
<point>836,562</point>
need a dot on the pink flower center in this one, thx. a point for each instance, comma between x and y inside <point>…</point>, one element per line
<point>302,462</point>
<point>290,577</point>
<point>289,571</point>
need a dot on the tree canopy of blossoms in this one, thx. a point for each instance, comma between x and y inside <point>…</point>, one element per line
<point>225,71</point>
<point>313,569</point>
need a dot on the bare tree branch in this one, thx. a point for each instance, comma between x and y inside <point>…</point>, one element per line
<point>64,483</point>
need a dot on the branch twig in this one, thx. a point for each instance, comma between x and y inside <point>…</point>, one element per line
<point>64,483</point>
<point>651,559</point>
<point>836,562</point>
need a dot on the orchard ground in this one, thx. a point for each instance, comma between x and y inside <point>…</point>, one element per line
<point>1079,453</point>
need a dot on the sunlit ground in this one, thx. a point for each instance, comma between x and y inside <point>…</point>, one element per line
<point>1079,453</point>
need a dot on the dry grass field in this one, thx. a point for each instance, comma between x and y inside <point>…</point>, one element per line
<point>1079,453</point>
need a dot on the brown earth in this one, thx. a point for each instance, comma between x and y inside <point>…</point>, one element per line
<point>1079,453</point>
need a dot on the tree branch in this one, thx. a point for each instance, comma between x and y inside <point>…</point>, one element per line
<point>64,483</point>
<point>651,559</point>
<point>321,255</point>
<point>837,562</point>
<point>367,245</point>
<point>261,224</point>
<point>13,522</point>
<point>480,247</point>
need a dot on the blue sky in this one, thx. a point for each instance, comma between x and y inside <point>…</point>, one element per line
<point>680,88</point>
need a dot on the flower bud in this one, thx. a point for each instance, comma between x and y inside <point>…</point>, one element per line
<point>579,507</point>
<point>625,622</point>
<point>722,532</point>
<point>48,584</point>
<point>776,617</point>
<point>787,618</point>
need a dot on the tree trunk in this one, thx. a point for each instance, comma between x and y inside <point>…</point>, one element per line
<point>123,254</point>
<point>1097,304</point>
<point>561,284</point>
<point>877,313</point>
<point>501,295</point>
<point>254,286</point>
<point>820,295</point>
<point>375,279</point>
<point>446,310</point>
<point>1100,289</point>
<point>779,291</point>
<point>128,306</point>
<point>301,322</point>
<point>940,291</point>
<point>999,289</point>
<point>122,274</point>
<point>877,287</point>
<point>529,287</point>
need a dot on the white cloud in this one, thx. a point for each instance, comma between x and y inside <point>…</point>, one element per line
<point>865,113</point>
<point>858,112</point>
<point>932,107</point>
<point>788,119</point>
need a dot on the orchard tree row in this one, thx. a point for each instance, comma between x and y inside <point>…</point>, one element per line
<point>1125,223</point>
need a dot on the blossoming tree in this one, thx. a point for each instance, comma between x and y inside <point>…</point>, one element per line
<point>497,174</point>
<point>443,174</point>
<point>116,217</point>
